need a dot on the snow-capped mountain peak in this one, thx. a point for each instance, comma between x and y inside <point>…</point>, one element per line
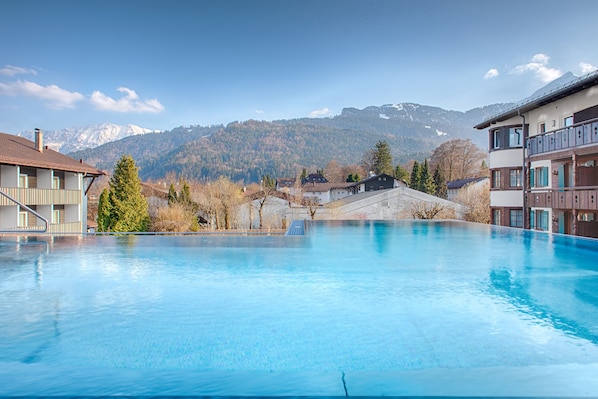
<point>79,138</point>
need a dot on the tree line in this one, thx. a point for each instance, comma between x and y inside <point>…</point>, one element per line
<point>191,205</point>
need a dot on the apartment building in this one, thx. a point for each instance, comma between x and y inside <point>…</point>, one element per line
<point>41,190</point>
<point>544,160</point>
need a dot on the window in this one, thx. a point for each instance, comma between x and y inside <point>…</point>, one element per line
<point>23,181</point>
<point>515,137</point>
<point>516,218</point>
<point>496,179</point>
<point>515,178</point>
<point>496,217</point>
<point>568,121</point>
<point>496,138</point>
<point>541,177</point>
<point>56,216</point>
<point>23,219</point>
<point>542,220</point>
<point>586,217</point>
<point>542,128</point>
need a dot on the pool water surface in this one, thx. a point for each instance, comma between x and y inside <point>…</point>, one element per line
<point>353,308</point>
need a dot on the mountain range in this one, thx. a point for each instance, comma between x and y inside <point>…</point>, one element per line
<point>80,138</point>
<point>246,151</point>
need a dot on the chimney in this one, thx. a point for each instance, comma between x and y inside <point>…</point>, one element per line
<point>39,140</point>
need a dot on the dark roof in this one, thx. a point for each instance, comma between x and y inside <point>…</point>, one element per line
<point>529,104</point>
<point>375,177</point>
<point>15,150</point>
<point>457,184</point>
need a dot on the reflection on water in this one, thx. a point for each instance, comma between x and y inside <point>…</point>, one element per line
<point>352,297</point>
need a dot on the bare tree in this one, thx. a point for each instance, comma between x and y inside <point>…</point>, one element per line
<point>477,200</point>
<point>368,160</point>
<point>312,205</point>
<point>431,210</point>
<point>334,172</point>
<point>220,201</point>
<point>459,159</point>
<point>262,200</point>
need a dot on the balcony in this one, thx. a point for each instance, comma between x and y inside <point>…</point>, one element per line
<point>578,135</point>
<point>41,196</point>
<point>578,198</point>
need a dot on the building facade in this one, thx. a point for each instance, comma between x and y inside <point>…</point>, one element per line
<point>41,190</point>
<point>544,161</point>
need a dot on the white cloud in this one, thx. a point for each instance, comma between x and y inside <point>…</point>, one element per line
<point>10,70</point>
<point>319,112</point>
<point>54,96</point>
<point>541,58</point>
<point>492,73</point>
<point>586,68</point>
<point>129,103</point>
<point>538,66</point>
<point>259,111</point>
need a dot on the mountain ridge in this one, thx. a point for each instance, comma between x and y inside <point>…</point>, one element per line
<point>79,138</point>
<point>250,149</point>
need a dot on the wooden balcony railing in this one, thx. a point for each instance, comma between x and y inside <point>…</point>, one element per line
<point>41,196</point>
<point>570,137</point>
<point>580,198</point>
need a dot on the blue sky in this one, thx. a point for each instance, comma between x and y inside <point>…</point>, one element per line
<point>162,64</point>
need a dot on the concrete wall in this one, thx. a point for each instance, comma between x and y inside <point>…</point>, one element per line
<point>391,204</point>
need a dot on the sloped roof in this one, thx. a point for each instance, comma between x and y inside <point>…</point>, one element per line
<point>457,184</point>
<point>323,187</point>
<point>529,104</point>
<point>15,150</point>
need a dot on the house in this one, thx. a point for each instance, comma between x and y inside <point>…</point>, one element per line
<point>323,193</point>
<point>455,186</point>
<point>544,159</point>
<point>377,182</point>
<point>39,185</point>
<point>317,189</point>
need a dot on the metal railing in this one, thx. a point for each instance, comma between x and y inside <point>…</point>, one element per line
<point>27,229</point>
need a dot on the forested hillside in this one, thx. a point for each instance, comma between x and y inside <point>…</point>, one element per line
<point>245,151</point>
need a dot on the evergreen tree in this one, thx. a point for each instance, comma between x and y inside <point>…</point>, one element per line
<point>184,196</point>
<point>426,183</point>
<point>382,158</point>
<point>104,209</point>
<point>414,181</point>
<point>172,196</point>
<point>268,182</point>
<point>353,178</point>
<point>303,174</point>
<point>440,182</point>
<point>129,210</point>
<point>401,174</point>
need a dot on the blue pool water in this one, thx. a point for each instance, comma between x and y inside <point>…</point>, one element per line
<point>357,308</point>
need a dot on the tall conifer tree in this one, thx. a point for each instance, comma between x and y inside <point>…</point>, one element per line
<point>382,158</point>
<point>104,209</point>
<point>414,181</point>
<point>426,184</point>
<point>440,182</point>
<point>129,210</point>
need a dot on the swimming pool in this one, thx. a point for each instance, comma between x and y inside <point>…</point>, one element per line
<point>359,308</point>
